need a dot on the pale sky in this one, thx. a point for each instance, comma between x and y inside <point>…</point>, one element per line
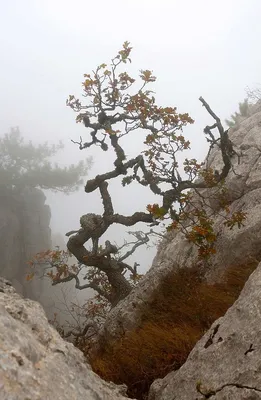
<point>194,47</point>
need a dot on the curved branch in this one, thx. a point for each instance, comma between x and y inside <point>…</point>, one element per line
<point>106,199</point>
<point>118,150</point>
<point>227,151</point>
<point>90,285</point>
<point>93,184</point>
<point>89,325</point>
<point>70,278</point>
<point>141,240</point>
<point>225,143</point>
<point>131,219</point>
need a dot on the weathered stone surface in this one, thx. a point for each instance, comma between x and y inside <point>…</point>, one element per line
<point>227,359</point>
<point>233,246</point>
<point>36,363</point>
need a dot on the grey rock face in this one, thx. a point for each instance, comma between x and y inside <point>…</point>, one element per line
<point>9,237</point>
<point>233,246</point>
<point>226,362</point>
<point>36,363</point>
<point>24,231</point>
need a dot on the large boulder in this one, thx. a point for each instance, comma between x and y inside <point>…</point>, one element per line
<point>36,363</point>
<point>226,363</point>
<point>237,246</point>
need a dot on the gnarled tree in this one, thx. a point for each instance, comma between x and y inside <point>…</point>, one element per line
<point>110,114</point>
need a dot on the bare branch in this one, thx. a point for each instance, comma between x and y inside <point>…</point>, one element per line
<point>93,184</point>
<point>89,325</point>
<point>90,285</point>
<point>142,238</point>
<point>225,143</point>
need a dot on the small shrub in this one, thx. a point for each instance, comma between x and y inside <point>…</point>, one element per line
<point>243,112</point>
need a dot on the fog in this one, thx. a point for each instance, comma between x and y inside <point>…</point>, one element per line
<point>194,47</point>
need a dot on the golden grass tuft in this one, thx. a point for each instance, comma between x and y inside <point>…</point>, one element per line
<point>183,309</point>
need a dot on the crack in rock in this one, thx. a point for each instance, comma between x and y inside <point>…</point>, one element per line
<point>210,339</point>
<point>209,393</point>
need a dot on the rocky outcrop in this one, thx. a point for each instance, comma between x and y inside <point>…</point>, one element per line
<point>36,363</point>
<point>24,231</point>
<point>237,246</point>
<point>226,362</point>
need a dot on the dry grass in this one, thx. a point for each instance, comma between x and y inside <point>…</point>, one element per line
<point>183,309</point>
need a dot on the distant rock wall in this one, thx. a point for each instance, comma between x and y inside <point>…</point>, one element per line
<point>24,231</point>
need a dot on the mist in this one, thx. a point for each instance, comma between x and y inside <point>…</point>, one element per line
<point>195,48</point>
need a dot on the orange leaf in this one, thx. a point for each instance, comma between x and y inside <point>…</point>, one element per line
<point>29,277</point>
